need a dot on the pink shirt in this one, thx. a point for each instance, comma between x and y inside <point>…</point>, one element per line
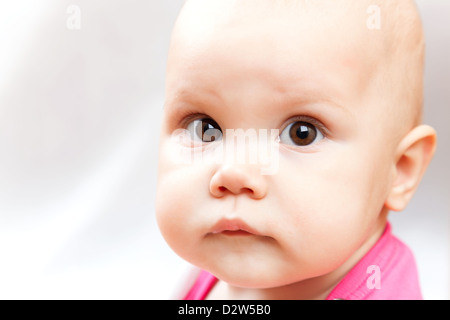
<point>387,272</point>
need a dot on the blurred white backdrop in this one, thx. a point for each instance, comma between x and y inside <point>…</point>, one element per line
<point>81,95</point>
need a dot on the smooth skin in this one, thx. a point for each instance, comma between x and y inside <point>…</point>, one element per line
<point>265,64</point>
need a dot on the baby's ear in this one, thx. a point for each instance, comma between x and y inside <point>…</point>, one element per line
<point>414,153</point>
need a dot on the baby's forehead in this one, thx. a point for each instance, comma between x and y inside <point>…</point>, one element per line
<point>279,30</point>
<point>203,19</point>
<point>285,39</point>
<point>281,43</point>
<point>336,22</point>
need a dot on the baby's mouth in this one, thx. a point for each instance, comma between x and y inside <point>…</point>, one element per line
<point>237,233</point>
<point>233,228</point>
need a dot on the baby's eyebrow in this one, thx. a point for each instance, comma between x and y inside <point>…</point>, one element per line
<point>311,99</point>
<point>196,95</point>
<point>318,101</point>
<point>205,99</point>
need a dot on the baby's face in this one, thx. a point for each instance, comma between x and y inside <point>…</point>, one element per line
<point>314,80</point>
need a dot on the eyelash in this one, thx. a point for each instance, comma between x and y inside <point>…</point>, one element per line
<point>186,116</point>
<point>316,123</point>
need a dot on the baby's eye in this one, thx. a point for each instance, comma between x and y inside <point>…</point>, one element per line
<point>301,133</point>
<point>205,130</point>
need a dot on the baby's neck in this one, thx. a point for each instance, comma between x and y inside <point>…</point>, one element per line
<point>308,291</point>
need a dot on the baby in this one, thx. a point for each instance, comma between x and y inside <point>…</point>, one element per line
<point>341,82</point>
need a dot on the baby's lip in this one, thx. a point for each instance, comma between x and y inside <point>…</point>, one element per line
<point>233,227</point>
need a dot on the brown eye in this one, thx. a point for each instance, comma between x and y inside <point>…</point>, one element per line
<point>300,134</point>
<point>206,130</point>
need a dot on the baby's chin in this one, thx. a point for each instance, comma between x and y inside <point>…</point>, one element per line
<point>255,280</point>
<point>261,275</point>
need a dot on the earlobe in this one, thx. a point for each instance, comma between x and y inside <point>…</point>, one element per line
<point>414,154</point>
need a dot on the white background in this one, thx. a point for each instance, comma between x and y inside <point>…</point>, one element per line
<point>79,124</point>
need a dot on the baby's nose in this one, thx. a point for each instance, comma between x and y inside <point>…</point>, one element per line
<point>238,179</point>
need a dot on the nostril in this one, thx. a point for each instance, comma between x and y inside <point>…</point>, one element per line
<point>247,190</point>
<point>223,189</point>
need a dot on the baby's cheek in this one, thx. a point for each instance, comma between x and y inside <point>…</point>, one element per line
<point>174,207</point>
<point>326,213</point>
<point>343,216</point>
